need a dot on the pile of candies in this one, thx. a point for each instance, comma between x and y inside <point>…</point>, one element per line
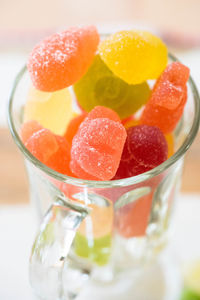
<point>90,112</point>
<point>109,80</point>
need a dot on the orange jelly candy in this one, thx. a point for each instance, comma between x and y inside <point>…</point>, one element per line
<point>165,106</point>
<point>73,127</point>
<point>28,129</point>
<point>98,145</point>
<point>63,58</point>
<point>50,149</point>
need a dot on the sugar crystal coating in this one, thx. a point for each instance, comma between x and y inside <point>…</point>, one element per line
<point>61,59</point>
<point>50,149</point>
<point>42,144</point>
<point>134,56</point>
<point>145,148</point>
<point>165,106</point>
<point>28,129</point>
<point>99,86</point>
<point>97,147</point>
<point>103,112</point>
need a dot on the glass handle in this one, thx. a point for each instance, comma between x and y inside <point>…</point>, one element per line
<point>52,246</point>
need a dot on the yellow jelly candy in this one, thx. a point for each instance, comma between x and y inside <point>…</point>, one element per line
<point>51,110</point>
<point>134,55</point>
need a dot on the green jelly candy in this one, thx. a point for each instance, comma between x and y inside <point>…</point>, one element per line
<point>96,250</point>
<point>99,86</point>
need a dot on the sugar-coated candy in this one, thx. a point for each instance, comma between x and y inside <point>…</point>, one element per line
<point>50,149</point>
<point>145,148</point>
<point>62,59</point>
<point>96,250</point>
<point>42,144</point>
<point>94,242</point>
<point>73,127</point>
<point>103,112</point>
<point>132,221</point>
<point>165,106</point>
<point>52,110</point>
<point>99,86</point>
<point>28,129</point>
<point>97,147</point>
<point>134,55</point>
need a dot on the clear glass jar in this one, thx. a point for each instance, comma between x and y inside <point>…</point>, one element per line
<point>98,230</point>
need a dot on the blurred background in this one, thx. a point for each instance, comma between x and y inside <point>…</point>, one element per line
<point>22,24</point>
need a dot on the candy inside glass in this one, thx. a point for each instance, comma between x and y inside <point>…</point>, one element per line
<point>98,230</point>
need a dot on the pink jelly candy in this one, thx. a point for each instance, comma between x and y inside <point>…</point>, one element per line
<point>145,148</point>
<point>98,145</point>
<point>165,106</point>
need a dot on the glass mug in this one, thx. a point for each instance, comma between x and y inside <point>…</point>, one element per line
<point>98,230</point>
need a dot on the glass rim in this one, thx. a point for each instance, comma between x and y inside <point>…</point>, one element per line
<point>111,183</point>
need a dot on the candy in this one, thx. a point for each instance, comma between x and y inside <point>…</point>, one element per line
<point>50,149</point>
<point>103,112</point>
<point>94,242</point>
<point>62,59</point>
<point>73,127</point>
<point>97,250</point>
<point>28,129</point>
<point>134,56</point>
<point>132,220</point>
<point>165,106</point>
<point>100,87</point>
<point>52,110</point>
<point>145,148</point>
<point>97,146</point>
<point>170,142</point>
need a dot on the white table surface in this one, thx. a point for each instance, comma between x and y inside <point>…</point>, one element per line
<point>17,229</point>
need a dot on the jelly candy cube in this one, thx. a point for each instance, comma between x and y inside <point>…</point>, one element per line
<point>62,59</point>
<point>97,147</point>
<point>52,110</point>
<point>99,86</point>
<point>145,148</point>
<point>166,104</point>
<point>134,56</point>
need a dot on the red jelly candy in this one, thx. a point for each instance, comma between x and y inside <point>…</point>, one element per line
<point>145,148</point>
<point>62,59</point>
<point>28,129</point>
<point>73,127</point>
<point>165,106</point>
<point>97,147</point>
